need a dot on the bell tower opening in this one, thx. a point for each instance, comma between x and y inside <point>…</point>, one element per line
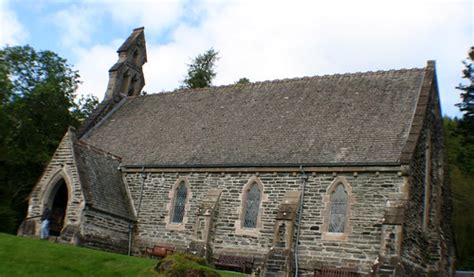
<point>126,75</point>
<point>58,208</point>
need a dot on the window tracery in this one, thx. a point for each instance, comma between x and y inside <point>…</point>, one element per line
<point>337,217</point>
<point>179,203</point>
<point>252,205</point>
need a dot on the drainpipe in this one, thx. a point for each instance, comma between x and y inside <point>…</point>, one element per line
<point>130,226</point>
<point>141,191</point>
<point>304,177</point>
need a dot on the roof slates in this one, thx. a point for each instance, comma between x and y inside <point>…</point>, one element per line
<point>348,118</point>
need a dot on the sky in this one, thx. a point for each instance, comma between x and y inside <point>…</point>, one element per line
<point>259,40</point>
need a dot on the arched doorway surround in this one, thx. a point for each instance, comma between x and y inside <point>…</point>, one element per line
<point>56,199</point>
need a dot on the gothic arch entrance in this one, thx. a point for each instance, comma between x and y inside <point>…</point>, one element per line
<point>58,204</point>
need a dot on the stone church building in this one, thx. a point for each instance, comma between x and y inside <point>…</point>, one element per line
<point>338,174</point>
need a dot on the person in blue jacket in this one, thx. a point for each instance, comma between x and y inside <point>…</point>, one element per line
<point>44,233</point>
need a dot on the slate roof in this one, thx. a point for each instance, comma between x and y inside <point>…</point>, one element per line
<point>102,181</point>
<point>360,118</point>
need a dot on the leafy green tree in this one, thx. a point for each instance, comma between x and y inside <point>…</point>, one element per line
<point>460,146</point>
<point>243,81</point>
<point>84,107</point>
<point>201,71</point>
<point>467,104</point>
<point>462,191</point>
<point>466,124</point>
<point>37,91</point>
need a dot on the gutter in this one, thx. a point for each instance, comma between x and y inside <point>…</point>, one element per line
<point>234,165</point>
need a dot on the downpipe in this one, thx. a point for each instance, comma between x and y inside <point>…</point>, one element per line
<point>304,177</point>
<point>130,229</point>
<point>141,191</point>
<point>130,224</point>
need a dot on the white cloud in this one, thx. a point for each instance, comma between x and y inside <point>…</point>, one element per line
<point>76,24</point>
<point>155,15</point>
<point>166,76</point>
<point>94,64</point>
<point>12,31</point>
<point>269,40</point>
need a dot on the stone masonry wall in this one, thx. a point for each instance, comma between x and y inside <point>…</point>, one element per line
<point>427,247</point>
<point>370,190</point>
<point>61,166</point>
<point>103,231</point>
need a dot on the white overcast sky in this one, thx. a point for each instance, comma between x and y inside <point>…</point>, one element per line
<point>260,40</point>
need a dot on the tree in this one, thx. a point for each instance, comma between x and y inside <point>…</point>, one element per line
<point>465,127</point>
<point>459,138</point>
<point>201,70</point>
<point>84,107</point>
<point>460,178</point>
<point>243,81</point>
<point>37,91</point>
<point>467,104</point>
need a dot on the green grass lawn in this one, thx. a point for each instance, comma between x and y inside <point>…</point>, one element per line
<point>30,257</point>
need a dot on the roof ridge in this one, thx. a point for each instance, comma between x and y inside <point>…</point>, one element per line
<point>97,150</point>
<point>288,80</point>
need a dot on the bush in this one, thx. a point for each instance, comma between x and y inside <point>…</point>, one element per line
<point>184,265</point>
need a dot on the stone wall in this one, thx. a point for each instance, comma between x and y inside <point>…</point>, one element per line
<point>61,166</point>
<point>427,245</point>
<point>104,231</point>
<point>371,192</point>
<point>359,250</point>
<point>84,226</point>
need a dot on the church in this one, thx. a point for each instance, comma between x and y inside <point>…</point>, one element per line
<point>334,175</point>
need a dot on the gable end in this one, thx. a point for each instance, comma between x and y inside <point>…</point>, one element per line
<point>429,83</point>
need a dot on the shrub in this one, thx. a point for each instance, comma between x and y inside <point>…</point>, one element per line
<point>184,265</point>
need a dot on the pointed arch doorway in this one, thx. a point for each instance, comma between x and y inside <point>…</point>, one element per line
<point>57,203</point>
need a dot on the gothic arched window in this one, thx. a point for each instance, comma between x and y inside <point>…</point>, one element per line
<point>338,212</point>
<point>179,203</point>
<point>252,205</point>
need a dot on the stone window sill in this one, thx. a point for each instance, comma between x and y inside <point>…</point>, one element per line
<point>176,226</point>
<point>335,236</point>
<point>252,232</point>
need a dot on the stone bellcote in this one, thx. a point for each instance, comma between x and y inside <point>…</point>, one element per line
<point>126,76</point>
